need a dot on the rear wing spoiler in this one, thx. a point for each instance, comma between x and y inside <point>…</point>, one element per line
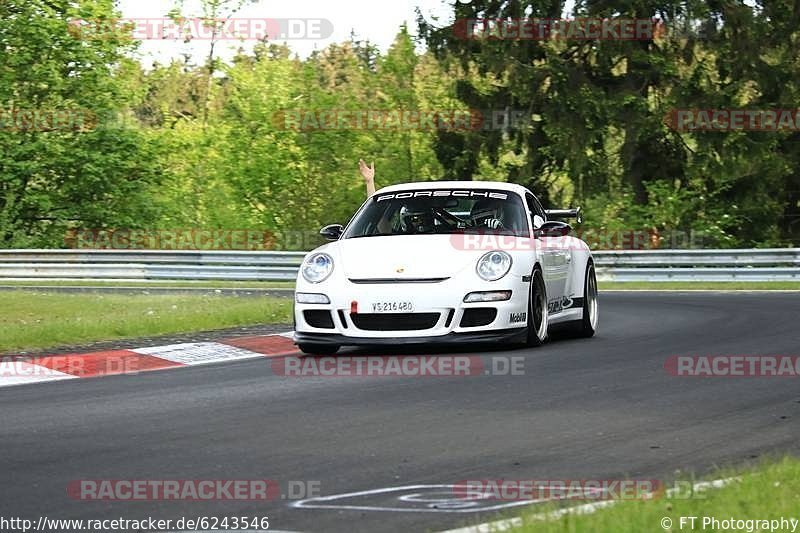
<point>565,213</point>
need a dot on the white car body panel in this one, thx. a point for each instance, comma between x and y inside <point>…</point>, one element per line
<point>404,268</point>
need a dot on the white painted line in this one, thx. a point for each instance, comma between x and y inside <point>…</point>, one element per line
<point>721,291</point>
<point>198,353</point>
<point>452,504</point>
<point>489,527</point>
<point>237,531</point>
<point>587,508</point>
<point>22,373</point>
<point>287,334</point>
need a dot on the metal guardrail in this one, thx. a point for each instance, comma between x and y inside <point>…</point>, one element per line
<point>776,264</point>
<point>758,264</point>
<point>191,257</point>
<point>143,265</point>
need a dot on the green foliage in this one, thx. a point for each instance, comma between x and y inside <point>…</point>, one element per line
<point>599,108</point>
<point>183,145</point>
<point>89,170</point>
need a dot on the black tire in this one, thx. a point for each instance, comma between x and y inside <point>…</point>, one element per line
<point>537,310</point>
<point>587,325</point>
<point>318,349</point>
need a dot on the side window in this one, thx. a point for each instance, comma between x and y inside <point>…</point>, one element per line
<point>534,207</point>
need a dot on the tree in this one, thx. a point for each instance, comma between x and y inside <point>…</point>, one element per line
<point>75,163</point>
<point>598,105</point>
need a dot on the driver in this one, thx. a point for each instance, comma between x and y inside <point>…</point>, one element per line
<point>487,213</point>
<point>417,218</point>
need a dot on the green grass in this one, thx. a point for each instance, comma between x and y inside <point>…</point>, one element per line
<point>770,490</point>
<point>212,284</point>
<point>701,285</point>
<point>38,320</point>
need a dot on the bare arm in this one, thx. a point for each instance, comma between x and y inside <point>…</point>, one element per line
<point>368,173</point>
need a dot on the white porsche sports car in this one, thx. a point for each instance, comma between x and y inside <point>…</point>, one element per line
<point>443,262</point>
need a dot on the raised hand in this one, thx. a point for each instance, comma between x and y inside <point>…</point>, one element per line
<point>368,173</point>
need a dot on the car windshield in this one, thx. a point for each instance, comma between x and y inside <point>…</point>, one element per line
<point>441,211</point>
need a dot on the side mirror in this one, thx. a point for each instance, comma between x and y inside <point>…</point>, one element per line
<point>537,222</point>
<point>332,232</point>
<point>554,228</point>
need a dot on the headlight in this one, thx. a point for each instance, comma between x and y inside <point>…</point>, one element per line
<point>494,265</point>
<point>317,267</point>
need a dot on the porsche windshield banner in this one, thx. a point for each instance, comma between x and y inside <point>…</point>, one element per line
<point>454,193</point>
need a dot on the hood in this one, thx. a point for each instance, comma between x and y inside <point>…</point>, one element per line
<point>403,257</point>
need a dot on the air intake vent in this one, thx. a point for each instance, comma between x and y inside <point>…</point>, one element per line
<point>394,321</point>
<point>478,316</point>
<point>319,318</point>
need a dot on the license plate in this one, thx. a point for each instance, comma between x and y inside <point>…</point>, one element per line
<point>392,307</point>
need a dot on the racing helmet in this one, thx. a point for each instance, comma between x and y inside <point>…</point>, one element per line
<point>485,210</point>
<point>416,218</point>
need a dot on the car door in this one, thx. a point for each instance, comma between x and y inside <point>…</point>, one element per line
<point>555,258</point>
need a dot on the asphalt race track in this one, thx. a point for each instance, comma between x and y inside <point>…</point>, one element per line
<point>601,408</point>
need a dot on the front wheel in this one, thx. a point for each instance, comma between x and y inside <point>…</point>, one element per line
<point>318,349</point>
<point>587,325</point>
<point>537,310</point>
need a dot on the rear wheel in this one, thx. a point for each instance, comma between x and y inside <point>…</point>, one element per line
<point>318,349</point>
<point>537,310</point>
<point>587,325</point>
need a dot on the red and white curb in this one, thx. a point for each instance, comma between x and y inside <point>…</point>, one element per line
<point>20,370</point>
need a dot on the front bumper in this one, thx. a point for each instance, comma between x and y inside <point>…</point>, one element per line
<point>447,317</point>
<point>516,335</point>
